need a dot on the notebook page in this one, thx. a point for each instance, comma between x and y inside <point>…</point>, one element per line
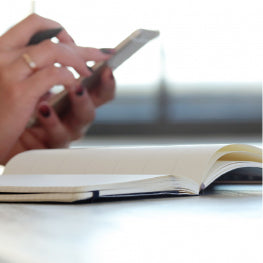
<point>181,160</point>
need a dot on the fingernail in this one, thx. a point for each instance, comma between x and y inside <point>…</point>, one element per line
<point>44,111</point>
<point>79,90</point>
<point>108,51</point>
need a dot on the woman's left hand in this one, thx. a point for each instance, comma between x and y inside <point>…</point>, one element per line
<point>55,132</point>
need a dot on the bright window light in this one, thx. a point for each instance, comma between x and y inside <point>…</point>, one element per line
<point>201,41</point>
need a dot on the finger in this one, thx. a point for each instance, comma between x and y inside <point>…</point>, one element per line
<point>29,141</point>
<point>48,53</point>
<point>20,34</point>
<point>58,135</point>
<point>106,90</point>
<point>42,81</point>
<point>46,96</point>
<point>66,55</point>
<point>25,95</point>
<point>82,111</point>
<point>94,54</point>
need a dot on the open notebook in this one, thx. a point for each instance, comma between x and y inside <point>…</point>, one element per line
<point>68,175</point>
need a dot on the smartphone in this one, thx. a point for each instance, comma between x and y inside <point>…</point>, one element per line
<point>125,49</point>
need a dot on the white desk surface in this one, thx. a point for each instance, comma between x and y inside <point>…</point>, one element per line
<point>224,225</point>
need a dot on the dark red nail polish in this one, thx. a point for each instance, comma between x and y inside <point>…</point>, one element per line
<point>44,111</point>
<point>79,91</point>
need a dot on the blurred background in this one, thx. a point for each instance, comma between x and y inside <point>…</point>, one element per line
<point>200,81</point>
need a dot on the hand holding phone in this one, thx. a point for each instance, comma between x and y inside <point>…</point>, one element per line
<point>123,51</point>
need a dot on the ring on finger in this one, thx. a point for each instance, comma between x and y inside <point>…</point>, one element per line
<point>30,62</point>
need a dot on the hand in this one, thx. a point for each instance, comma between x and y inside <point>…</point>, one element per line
<point>56,133</point>
<point>21,89</point>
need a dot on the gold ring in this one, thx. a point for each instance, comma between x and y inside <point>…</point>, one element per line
<point>32,65</point>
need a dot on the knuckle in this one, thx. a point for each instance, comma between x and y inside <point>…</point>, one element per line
<point>47,46</point>
<point>40,21</point>
<point>33,17</point>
